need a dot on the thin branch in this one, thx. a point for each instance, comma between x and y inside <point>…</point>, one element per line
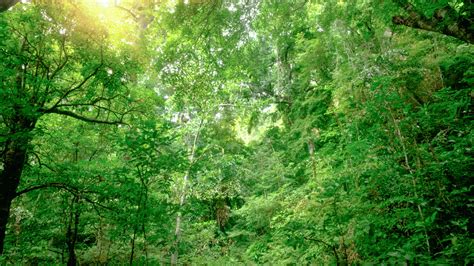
<point>135,17</point>
<point>93,154</point>
<point>83,118</point>
<point>332,247</point>
<point>73,190</point>
<point>63,64</point>
<point>91,103</point>
<point>41,163</point>
<point>78,86</point>
<point>47,185</point>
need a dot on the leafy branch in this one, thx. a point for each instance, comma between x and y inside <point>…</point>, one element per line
<point>71,189</point>
<point>446,20</point>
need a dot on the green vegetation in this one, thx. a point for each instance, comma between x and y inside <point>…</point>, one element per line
<point>230,132</point>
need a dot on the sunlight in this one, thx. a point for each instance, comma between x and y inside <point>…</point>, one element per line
<point>107,3</point>
<point>103,3</point>
<point>115,17</point>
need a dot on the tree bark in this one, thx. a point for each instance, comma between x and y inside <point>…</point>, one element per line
<point>72,230</point>
<point>445,20</point>
<point>177,233</point>
<point>13,162</point>
<point>6,4</point>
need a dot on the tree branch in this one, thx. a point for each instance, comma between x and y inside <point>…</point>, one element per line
<point>62,64</point>
<point>83,118</point>
<point>445,20</point>
<point>41,163</point>
<point>78,86</point>
<point>332,247</point>
<point>73,190</point>
<point>135,17</point>
<point>92,102</point>
<point>47,185</point>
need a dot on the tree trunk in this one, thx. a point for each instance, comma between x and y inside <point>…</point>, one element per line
<point>72,230</point>
<point>13,162</point>
<point>311,149</point>
<point>13,158</point>
<point>6,4</point>
<point>177,233</point>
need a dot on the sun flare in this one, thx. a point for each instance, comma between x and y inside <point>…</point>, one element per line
<point>103,3</point>
<point>107,3</point>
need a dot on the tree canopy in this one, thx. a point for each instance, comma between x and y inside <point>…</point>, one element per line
<point>229,132</point>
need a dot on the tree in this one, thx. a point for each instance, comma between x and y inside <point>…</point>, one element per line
<point>239,132</point>
<point>54,64</point>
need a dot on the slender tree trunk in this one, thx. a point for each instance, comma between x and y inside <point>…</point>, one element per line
<point>132,244</point>
<point>140,210</point>
<point>311,149</point>
<point>103,243</point>
<point>177,233</point>
<point>73,225</point>
<point>412,174</point>
<point>144,219</point>
<point>135,229</point>
<point>71,234</point>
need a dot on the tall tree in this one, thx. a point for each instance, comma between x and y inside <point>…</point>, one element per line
<point>53,64</point>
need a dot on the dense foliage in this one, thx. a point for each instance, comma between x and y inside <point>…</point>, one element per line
<point>236,132</point>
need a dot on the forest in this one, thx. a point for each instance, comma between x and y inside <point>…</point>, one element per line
<point>236,132</point>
